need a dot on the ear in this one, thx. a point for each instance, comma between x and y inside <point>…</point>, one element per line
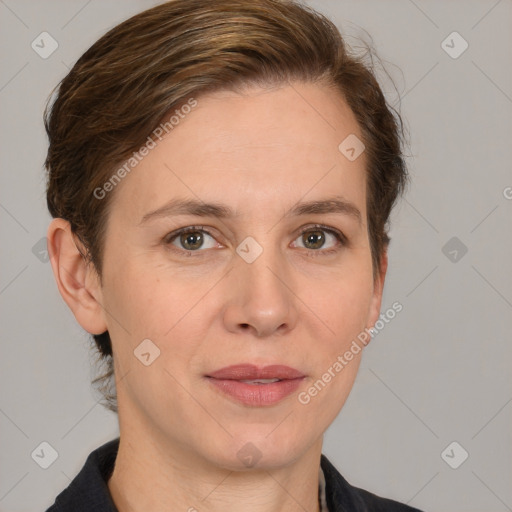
<point>77,280</point>
<point>378,288</point>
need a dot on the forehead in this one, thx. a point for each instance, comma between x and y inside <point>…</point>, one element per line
<point>257,147</point>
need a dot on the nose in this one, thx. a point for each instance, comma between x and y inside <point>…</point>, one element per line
<point>260,297</point>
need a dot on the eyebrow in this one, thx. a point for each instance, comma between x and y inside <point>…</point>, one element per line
<point>199,208</point>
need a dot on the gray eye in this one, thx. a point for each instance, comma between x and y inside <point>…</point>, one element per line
<point>193,240</point>
<point>316,239</point>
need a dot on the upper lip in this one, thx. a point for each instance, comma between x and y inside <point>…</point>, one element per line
<point>251,371</point>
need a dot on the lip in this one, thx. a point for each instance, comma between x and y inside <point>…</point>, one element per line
<point>251,371</point>
<point>228,381</point>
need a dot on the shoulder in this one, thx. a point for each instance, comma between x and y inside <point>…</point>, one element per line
<point>89,490</point>
<point>341,496</point>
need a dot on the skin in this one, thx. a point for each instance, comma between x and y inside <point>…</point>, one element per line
<point>260,153</point>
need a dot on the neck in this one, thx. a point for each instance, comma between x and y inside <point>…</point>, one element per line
<point>152,477</point>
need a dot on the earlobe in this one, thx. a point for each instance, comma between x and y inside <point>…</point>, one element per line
<point>76,279</point>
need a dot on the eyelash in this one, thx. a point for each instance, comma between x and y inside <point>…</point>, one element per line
<point>340,237</point>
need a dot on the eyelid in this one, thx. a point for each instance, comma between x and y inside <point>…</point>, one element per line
<point>339,235</point>
<point>333,231</point>
<point>187,229</point>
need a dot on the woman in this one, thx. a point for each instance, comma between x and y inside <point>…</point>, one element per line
<point>220,177</point>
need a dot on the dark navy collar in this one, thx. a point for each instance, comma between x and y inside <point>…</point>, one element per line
<point>89,491</point>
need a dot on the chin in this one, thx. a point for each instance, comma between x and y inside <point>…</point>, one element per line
<point>261,450</point>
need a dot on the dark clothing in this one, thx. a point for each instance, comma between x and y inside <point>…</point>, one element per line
<point>88,492</point>
<point>342,497</point>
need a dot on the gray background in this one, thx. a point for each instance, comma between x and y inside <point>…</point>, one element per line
<point>438,373</point>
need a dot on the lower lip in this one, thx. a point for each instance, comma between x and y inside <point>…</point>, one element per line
<point>257,395</point>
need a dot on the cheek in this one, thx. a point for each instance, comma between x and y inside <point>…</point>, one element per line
<point>344,304</point>
<point>137,306</point>
<point>335,360</point>
<point>173,312</point>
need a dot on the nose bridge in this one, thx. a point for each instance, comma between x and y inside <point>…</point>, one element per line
<point>260,285</point>
<point>265,274</point>
<point>262,269</point>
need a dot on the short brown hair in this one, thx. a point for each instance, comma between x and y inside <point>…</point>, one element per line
<point>122,86</point>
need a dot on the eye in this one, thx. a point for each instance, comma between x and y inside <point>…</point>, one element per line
<point>191,238</point>
<point>317,240</point>
<point>322,240</point>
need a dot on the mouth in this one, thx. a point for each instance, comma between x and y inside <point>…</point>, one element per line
<point>261,381</point>
<point>254,386</point>
<point>251,372</point>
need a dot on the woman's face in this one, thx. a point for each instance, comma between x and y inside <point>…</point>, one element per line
<point>262,285</point>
